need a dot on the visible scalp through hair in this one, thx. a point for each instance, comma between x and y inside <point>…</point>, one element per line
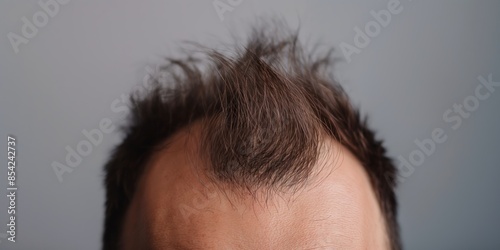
<point>264,110</point>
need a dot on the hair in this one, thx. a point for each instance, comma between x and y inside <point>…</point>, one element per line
<point>264,106</point>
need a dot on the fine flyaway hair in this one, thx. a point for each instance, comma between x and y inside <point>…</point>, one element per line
<point>264,107</point>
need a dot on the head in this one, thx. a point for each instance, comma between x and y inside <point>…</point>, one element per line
<point>256,148</point>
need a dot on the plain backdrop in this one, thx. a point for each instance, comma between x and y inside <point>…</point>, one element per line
<point>90,54</point>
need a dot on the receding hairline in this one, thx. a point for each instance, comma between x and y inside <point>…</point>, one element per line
<point>187,138</point>
<point>191,136</point>
<point>202,94</point>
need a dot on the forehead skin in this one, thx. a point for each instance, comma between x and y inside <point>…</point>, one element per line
<point>175,207</point>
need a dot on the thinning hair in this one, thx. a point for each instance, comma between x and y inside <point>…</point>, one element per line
<point>264,108</point>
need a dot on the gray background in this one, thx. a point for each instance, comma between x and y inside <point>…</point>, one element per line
<point>92,52</point>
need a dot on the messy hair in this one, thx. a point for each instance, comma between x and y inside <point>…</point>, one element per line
<point>264,107</point>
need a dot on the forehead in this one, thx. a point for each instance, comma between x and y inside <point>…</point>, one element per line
<point>175,207</point>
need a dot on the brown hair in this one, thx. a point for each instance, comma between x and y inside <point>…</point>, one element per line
<point>264,109</point>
